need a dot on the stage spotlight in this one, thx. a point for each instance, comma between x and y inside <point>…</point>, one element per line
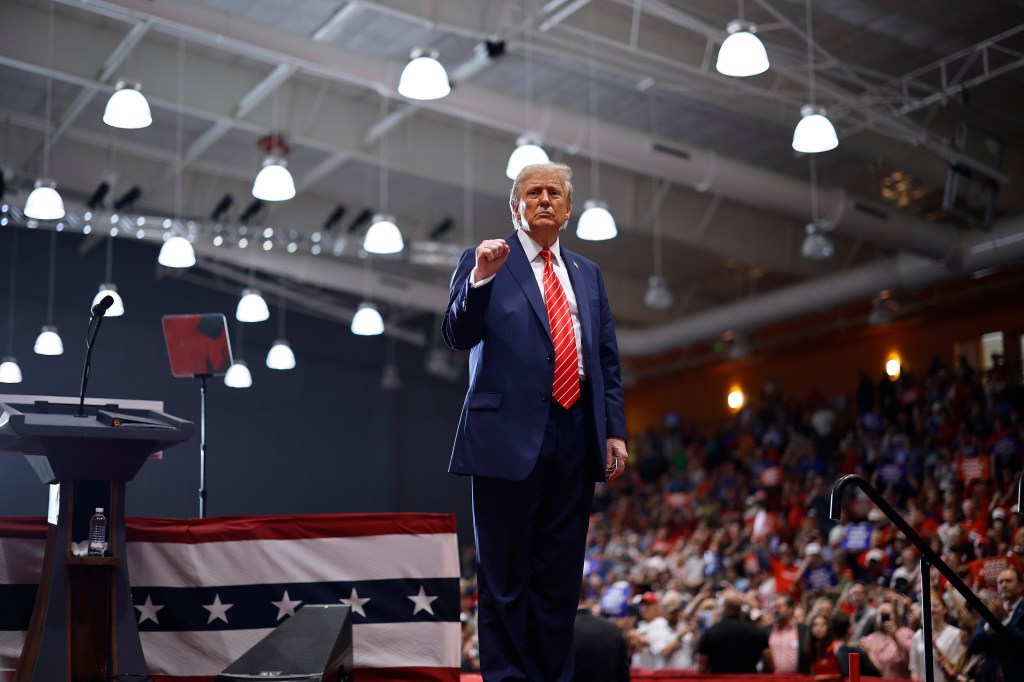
<point>99,194</point>
<point>362,219</point>
<point>441,228</point>
<point>251,211</point>
<point>221,208</point>
<point>128,199</point>
<point>336,215</point>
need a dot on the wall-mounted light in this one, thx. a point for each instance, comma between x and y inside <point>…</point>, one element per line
<point>736,399</point>
<point>893,366</point>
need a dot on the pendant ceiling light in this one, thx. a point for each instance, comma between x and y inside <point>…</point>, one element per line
<point>658,295</point>
<point>10,372</point>
<point>814,133</point>
<point>45,203</point>
<point>280,355</point>
<point>177,252</point>
<point>424,77</point>
<point>238,375</point>
<point>251,306</point>
<point>742,53</point>
<point>383,236</point>
<point>108,288</point>
<point>367,321</point>
<point>596,223</point>
<point>528,151</point>
<point>49,342</point>
<point>127,108</point>
<point>816,245</point>
<point>274,182</point>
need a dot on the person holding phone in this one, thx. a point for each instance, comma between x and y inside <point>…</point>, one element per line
<point>888,646</point>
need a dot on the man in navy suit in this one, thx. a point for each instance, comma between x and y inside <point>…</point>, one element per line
<point>533,460</point>
<point>1004,654</point>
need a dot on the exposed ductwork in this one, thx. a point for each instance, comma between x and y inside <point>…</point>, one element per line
<point>1003,245</point>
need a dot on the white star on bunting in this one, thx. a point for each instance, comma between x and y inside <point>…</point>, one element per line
<point>148,610</point>
<point>285,607</point>
<point>422,602</point>
<point>356,602</point>
<point>217,610</point>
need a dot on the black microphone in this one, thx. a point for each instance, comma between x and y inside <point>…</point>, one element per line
<point>98,311</point>
<point>101,308</point>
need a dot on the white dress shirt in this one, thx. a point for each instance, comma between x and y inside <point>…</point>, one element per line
<point>533,250</point>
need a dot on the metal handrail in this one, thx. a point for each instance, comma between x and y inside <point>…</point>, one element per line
<point>928,554</point>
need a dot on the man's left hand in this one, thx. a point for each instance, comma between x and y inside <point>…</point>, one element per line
<point>616,456</point>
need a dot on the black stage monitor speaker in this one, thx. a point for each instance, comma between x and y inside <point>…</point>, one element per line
<point>314,644</point>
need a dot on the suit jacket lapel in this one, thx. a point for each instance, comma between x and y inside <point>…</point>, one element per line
<point>522,271</point>
<point>582,292</point>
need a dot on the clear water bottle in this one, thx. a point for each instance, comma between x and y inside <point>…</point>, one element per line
<point>97,533</point>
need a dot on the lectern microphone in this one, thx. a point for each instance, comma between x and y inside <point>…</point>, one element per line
<point>101,308</point>
<point>98,311</point>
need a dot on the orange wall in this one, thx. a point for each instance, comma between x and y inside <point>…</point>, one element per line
<point>829,364</point>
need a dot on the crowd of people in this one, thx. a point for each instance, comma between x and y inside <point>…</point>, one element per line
<point>716,551</point>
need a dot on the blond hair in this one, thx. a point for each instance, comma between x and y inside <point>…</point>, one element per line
<point>563,171</point>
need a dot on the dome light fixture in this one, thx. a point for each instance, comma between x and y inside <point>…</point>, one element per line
<point>816,246</point>
<point>815,132</point>
<point>742,53</point>
<point>658,295</point>
<point>274,182</point>
<point>367,321</point>
<point>383,237</point>
<point>596,223</point>
<point>528,151</point>
<point>10,373</point>
<point>280,356</point>
<point>44,203</point>
<point>127,108</point>
<point>238,375</point>
<point>49,342</point>
<point>424,77</point>
<point>177,252</point>
<point>116,308</point>
<point>251,307</point>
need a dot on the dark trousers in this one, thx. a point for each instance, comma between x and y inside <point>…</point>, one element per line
<point>530,539</point>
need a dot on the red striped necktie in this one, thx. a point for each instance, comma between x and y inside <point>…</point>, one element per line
<point>566,387</point>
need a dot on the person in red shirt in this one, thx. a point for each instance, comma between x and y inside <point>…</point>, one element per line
<point>975,525</point>
<point>824,664</point>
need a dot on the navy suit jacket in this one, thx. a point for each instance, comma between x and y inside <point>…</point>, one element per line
<point>504,325</point>
<point>1007,652</point>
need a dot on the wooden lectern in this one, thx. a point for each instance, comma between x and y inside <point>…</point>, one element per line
<point>83,625</point>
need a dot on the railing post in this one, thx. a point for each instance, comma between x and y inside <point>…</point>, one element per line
<point>926,619</point>
<point>835,511</point>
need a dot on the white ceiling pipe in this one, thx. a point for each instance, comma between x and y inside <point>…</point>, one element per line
<point>1004,245</point>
